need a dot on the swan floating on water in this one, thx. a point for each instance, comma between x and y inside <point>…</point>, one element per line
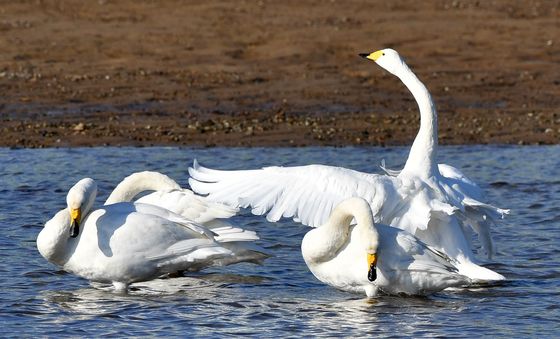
<point>126,242</point>
<point>367,257</point>
<point>168,194</point>
<point>436,203</point>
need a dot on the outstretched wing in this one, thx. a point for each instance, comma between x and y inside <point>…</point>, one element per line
<point>308,194</point>
<point>460,182</point>
<point>481,217</point>
<point>465,198</point>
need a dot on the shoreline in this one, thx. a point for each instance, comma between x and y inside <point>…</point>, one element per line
<point>274,74</point>
<point>256,131</point>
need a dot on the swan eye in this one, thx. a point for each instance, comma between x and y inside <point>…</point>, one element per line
<point>382,53</point>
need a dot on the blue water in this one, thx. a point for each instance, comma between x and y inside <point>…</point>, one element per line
<point>281,298</point>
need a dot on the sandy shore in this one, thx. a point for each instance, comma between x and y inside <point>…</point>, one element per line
<point>275,73</point>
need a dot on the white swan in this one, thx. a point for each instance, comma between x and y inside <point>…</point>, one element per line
<point>368,257</point>
<point>128,242</point>
<point>169,195</point>
<point>438,204</point>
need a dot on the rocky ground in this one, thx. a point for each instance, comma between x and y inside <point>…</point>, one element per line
<point>275,73</point>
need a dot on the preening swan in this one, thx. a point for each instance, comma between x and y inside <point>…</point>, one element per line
<point>127,242</point>
<point>367,257</point>
<point>169,195</point>
<point>436,203</point>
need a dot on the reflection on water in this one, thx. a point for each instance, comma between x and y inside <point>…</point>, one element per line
<point>280,298</point>
<point>102,299</point>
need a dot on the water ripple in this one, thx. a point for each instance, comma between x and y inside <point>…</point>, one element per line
<point>280,298</point>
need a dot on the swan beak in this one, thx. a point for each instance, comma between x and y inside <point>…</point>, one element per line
<point>372,56</point>
<point>75,216</point>
<point>372,265</point>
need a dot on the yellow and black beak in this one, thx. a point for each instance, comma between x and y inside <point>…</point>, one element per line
<point>372,56</point>
<point>75,216</point>
<point>372,266</point>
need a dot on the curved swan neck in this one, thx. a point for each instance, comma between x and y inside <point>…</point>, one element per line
<point>421,159</point>
<point>330,237</point>
<point>354,209</point>
<point>53,239</point>
<point>139,182</point>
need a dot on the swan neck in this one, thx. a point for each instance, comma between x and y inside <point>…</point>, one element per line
<point>140,182</point>
<point>421,159</point>
<point>337,231</point>
<point>53,240</point>
<point>332,236</point>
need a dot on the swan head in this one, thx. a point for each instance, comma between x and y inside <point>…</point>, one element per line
<point>359,210</point>
<point>368,234</point>
<point>370,237</point>
<point>387,58</point>
<point>79,201</point>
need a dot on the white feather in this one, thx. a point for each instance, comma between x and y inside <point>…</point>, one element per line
<point>128,242</point>
<point>336,253</point>
<point>436,203</point>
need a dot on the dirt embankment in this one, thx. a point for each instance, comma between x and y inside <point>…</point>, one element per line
<point>274,73</point>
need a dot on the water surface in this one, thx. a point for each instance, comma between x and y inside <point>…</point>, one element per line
<point>281,298</point>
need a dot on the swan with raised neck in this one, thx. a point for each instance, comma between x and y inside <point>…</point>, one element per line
<point>422,156</point>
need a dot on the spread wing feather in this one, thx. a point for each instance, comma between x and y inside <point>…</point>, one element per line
<point>305,193</point>
<point>481,217</point>
<point>309,193</point>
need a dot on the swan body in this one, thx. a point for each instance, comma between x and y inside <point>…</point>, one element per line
<point>339,254</point>
<point>436,203</point>
<point>126,242</point>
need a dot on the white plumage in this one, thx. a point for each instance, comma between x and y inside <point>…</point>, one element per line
<point>168,194</point>
<point>128,242</point>
<point>436,203</point>
<point>337,254</point>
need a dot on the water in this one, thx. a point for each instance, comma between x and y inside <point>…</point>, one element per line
<point>281,298</point>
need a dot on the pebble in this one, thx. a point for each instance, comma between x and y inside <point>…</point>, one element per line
<point>79,127</point>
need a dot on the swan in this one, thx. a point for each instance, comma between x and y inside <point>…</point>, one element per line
<point>168,194</point>
<point>436,203</point>
<point>126,242</point>
<point>366,258</point>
